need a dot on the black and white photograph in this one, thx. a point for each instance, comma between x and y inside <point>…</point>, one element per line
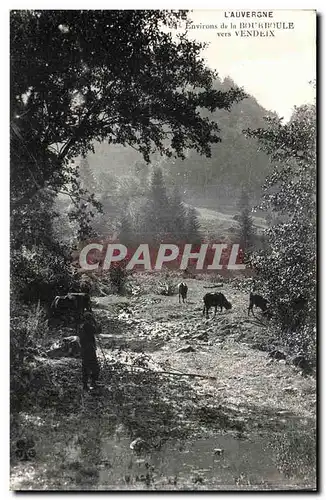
<point>163,250</point>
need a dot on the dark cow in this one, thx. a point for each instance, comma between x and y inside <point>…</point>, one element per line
<point>216,299</point>
<point>71,307</point>
<point>258,301</point>
<point>90,365</point>
<point>72,302</point>
<point>183,290</point>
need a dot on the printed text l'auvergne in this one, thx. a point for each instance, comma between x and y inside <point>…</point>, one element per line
<point>249,13</point>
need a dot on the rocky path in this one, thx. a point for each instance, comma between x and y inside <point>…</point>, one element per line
<point>219,347</point>
<point>249,426</point>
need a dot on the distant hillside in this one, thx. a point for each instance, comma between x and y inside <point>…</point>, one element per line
<point>215,225</point>
<point>212,182</point>
<point>235,161</point>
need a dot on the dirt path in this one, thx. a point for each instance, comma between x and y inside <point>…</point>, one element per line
<point>258,415</point>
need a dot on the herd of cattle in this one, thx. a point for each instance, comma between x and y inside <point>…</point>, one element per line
<point>78,303</point>
<point>78,306</point>
<point>217,299</point>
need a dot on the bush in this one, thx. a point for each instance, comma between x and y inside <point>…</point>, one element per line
<point>40,275</point>
<point>118,277</point>
<point>28,333</point>
<point>167,287</point>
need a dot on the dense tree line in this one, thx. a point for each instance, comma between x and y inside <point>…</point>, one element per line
<point>246,231</point>
<point>162,217</point>
<point>287,267</point>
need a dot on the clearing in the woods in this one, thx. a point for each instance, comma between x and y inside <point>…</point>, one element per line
<point>249,423</point>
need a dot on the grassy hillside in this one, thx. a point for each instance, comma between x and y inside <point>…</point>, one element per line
<point>222,225</point>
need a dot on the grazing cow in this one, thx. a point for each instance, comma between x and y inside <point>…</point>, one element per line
<point>183,290</point>
<point>90,365</point>
<point>215,299</point>
<point>258,301</point>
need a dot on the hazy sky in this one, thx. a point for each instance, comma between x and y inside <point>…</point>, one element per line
<point>276,71</point>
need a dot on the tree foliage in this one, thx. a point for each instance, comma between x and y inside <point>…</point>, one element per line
<point>288,268</point>
<point>246,232</point>
<point>87,178</point>
<point>126,234</point>
<point>107,75</point>
<point>160,216</point>
<point>193,226</point>
<point>178,216</point>
<point>157,216</point>
<point>82,76</point>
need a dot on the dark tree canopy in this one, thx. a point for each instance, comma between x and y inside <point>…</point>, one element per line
<point>78,77</point>
<point>81,76</point>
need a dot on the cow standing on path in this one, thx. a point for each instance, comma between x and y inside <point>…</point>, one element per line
<point>183,290</point>
<point>214,300</point>
<point>258,301</point>
<point>90,365</point>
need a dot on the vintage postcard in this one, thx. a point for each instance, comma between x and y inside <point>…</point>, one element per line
<point>163,250</point>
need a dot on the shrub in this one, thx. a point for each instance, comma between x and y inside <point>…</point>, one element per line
<point>28,333</point>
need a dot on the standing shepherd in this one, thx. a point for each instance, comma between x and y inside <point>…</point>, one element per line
<point>90,364</point>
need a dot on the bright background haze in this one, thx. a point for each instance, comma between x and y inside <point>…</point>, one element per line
<point>276,71</point>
